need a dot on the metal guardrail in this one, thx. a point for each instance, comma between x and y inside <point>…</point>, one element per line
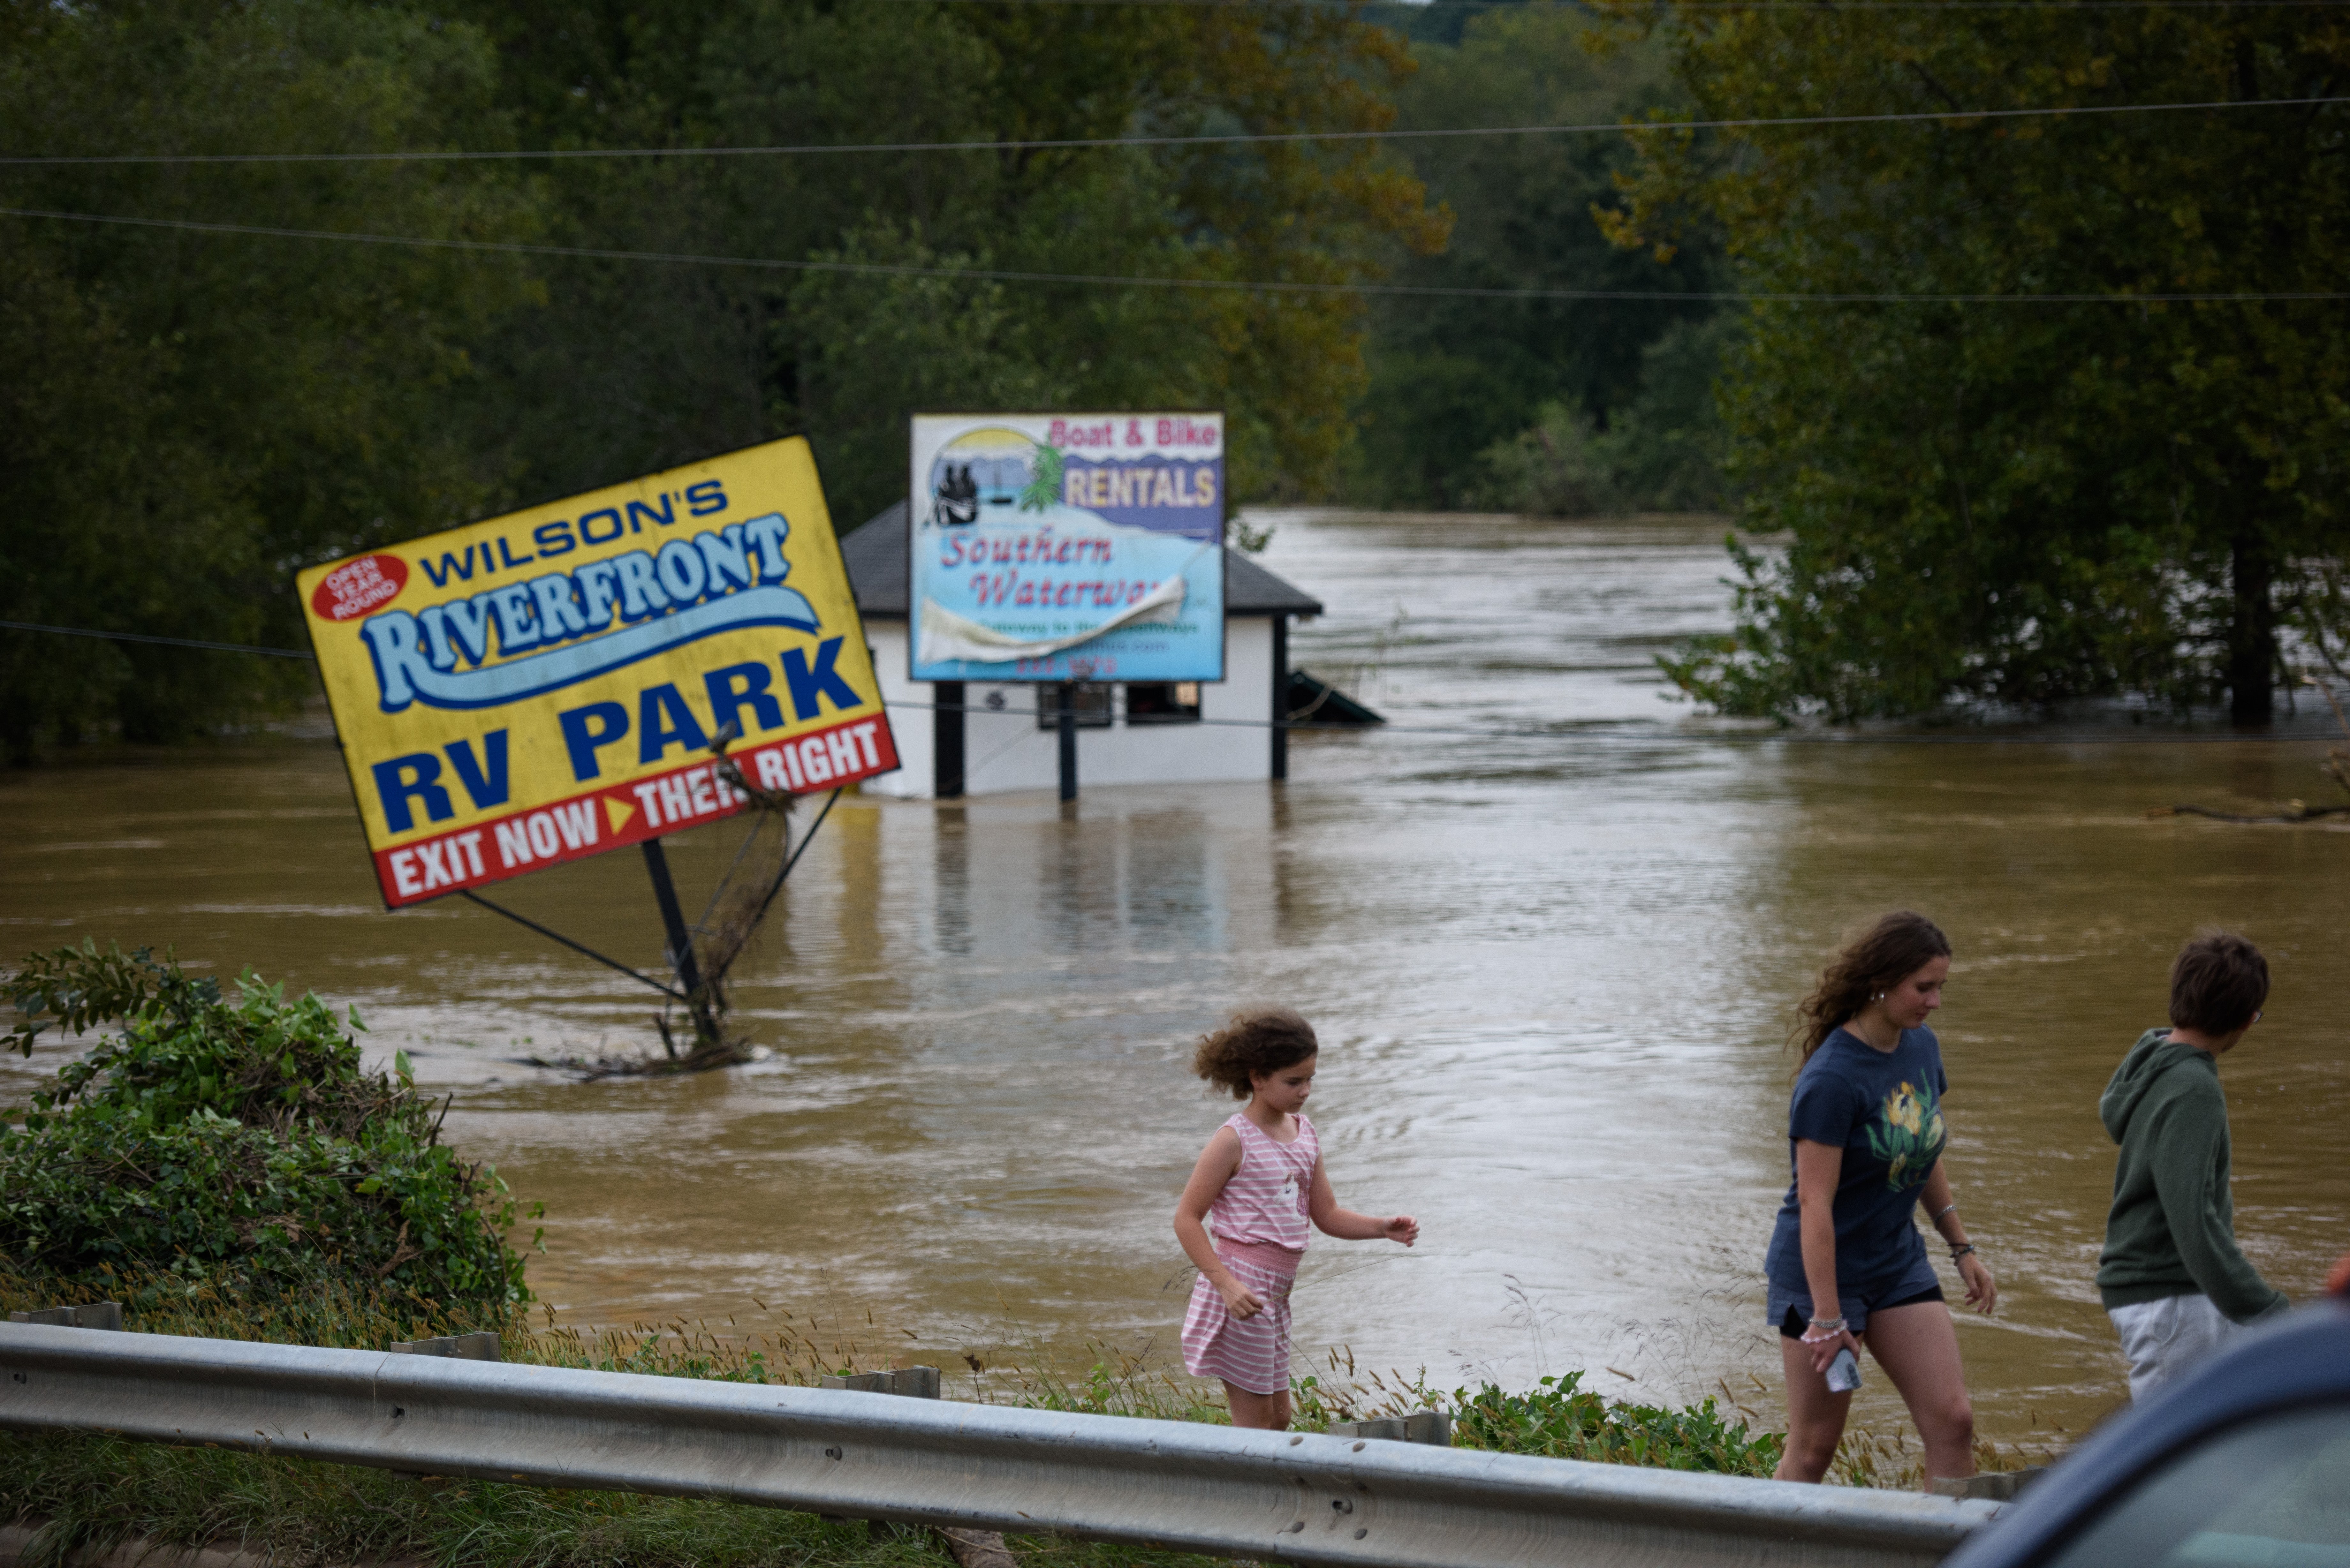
<point>1299,1498</point>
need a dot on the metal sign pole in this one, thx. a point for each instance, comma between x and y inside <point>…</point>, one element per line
<point>1068,740</point>
<point>681,941</point>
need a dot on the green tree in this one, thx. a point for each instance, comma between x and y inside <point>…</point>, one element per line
<point>189,416</point>
<point>205,413</point>
<point>1455,381</point>
<point>242,1146</point>
<point>1993,500</point>
<point>700,359</point>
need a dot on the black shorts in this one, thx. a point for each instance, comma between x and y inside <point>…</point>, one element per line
<point>1792,1325</point>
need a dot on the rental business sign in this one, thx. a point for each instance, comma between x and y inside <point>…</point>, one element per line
<point>548,685</point>
<point>1068,548</point>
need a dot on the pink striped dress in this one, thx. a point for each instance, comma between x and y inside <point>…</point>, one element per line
<point>1261,1230</point>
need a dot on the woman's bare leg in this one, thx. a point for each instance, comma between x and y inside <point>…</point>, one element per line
<point>1814,1415</point>
<point>1920,1351</point>
<point>1266,1412</point>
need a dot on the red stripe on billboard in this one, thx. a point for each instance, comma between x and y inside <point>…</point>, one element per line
<point>611,818</point>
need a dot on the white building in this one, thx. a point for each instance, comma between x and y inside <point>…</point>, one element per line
<point>1127,733</point>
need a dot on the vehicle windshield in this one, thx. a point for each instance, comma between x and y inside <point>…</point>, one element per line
<point>2271,1494</point>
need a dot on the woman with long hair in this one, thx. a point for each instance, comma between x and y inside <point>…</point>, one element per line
<point>1847,1269</point>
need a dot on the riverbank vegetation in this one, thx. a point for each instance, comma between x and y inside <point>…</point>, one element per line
<point>1563,405</point>
<point>2049,408</point>
<point>238,1149</point>
<point>214,389</point>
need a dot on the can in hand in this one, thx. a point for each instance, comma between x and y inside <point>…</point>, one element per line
<point>1843,1371</point>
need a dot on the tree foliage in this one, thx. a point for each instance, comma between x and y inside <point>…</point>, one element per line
<point>1989,500</point>
<point>190,416</point>
<point>242,1146</point>
<point>202,413</point>
<point>1551,405</point>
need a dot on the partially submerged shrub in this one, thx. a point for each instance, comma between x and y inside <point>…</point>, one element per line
<point>1559,1418</point>
<point>240,1147</point>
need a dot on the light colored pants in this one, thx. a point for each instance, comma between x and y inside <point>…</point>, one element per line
<point>2165,1338</point>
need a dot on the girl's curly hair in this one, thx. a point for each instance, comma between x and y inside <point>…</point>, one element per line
<point>1897,947</point>
<point>1252,1045</point>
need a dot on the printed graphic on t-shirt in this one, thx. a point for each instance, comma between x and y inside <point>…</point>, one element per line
<point>1908,1135</point>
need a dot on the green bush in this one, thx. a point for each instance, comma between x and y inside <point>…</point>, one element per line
<point>233,1148</point>
<point>1558,1419</point>
<point>1662,451</point>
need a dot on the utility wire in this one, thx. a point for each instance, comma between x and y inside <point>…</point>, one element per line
<point>1481,731</point>
<point>1228,285</point>
<point>1424,8</point>
<point>804,150</point>
<point>1567,732</point>
<point>168,641</point>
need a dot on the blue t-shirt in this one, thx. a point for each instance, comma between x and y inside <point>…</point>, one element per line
<point>1883,1109</point>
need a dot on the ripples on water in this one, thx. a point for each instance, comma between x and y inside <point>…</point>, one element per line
<point>1551,959</point>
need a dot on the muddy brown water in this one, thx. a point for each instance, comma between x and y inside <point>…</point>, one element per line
<point>1549,925</point>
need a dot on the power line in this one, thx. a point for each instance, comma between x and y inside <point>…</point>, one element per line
<point>1424,8</point>
<point>143,637</point>
<point>1485,732</point>
<point>1565,731</point>
<point>1235,139</point>
<point>1232,285</point>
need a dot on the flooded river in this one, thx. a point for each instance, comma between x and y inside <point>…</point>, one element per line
<point>1549,925</point>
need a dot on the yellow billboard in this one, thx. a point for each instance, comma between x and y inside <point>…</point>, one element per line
<point>549,685</point>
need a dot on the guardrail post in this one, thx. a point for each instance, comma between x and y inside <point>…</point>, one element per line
<point>1998,1485</point>
<point>1421,1427</point>
<point>971,1548</point>
<point>96,1315</point>
<point>463,1347</point>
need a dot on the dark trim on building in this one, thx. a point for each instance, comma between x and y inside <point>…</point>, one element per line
<point>1280,696</point>
<point>946,740</point>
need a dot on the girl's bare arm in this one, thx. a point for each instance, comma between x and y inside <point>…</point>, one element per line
<point>1321,1204</point>
<point>1817,1167</point>
<point>1218,1161</point>
<point>1942,1209</point>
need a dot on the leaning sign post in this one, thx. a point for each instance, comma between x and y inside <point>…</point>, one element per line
<point>564,680</point>
<point>1062,548</point>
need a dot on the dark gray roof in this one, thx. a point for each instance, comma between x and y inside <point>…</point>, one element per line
<point>876,556</point>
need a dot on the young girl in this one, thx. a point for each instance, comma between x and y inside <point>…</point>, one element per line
<point>1866,1135</point>
<point>1260,1180</point>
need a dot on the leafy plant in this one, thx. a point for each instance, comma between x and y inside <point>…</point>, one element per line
<point>71,989</point>
<point>1559,1418</point>
<point>240,1145</point>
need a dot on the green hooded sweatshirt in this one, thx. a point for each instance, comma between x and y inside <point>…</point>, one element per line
<point>2172,1230</point>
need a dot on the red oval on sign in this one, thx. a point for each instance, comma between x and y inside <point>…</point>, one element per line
<point>357,586</point>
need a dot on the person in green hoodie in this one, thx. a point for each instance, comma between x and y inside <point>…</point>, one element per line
<point>2173,1280</point>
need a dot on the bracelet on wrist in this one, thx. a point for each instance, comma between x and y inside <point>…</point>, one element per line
<point>1827,1326</point>
<point>1960,1249</point>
